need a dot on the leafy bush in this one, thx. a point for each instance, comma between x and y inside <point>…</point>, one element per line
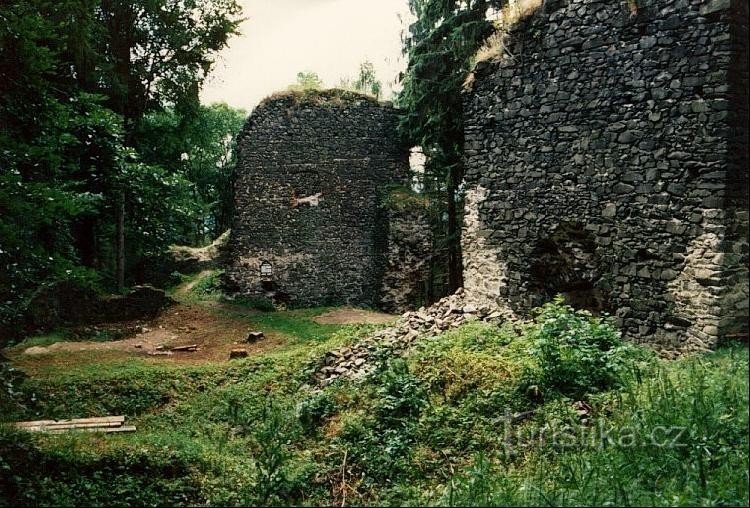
<point>277,478</point>
<point>576,353</point>
<point>210,285</point>
<point>401,395</point>
<point>313,410</point>
<point>10,392</point>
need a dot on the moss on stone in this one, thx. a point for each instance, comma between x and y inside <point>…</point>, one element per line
<point>400,198</point>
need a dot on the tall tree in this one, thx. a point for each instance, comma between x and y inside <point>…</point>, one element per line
<point>367,81</point>
<point>71,73</point>
<point>440,45</point>
<point>201,148</point>
<point>57,144</point>
<point>160,52</point>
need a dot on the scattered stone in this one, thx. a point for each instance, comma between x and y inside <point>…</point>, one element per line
<point>356,361</point>
<point>160,353</point>
<point>238,353</point>
<point>253,337</point>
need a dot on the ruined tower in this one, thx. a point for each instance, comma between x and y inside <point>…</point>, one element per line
<point>310,227</point>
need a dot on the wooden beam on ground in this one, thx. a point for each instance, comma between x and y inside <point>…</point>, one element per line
<point>73,426</point>
<point>191,348</point>
<point>124,428</point>
<point>74,421</point>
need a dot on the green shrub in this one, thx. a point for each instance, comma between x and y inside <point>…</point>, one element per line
<point>576,353</point>
<point>314,410</point>
<point>401,395</point>
<point>271,434</point>
<point>10,390</point>
<point>209,286</point>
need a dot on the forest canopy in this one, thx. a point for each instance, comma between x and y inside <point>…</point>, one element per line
<point>106,154</point>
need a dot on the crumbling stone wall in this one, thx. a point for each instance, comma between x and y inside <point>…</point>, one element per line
<point>313,170</point>
<point>407,274</point>
<point>606,159</point>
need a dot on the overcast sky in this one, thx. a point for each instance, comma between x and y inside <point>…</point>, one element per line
<point>283,37</point>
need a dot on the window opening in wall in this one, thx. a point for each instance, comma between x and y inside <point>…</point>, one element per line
<point>566,263</point>
<point>266,269</point>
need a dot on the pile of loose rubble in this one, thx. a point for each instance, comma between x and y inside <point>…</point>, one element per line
<point>358,360</point>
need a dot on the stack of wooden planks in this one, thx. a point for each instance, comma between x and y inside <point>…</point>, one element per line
<point>99,424</point>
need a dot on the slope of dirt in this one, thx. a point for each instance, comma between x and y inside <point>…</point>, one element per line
<point>215,334</point>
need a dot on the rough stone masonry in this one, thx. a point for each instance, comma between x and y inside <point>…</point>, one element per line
<point>310,227</point>
<point>607,159</point>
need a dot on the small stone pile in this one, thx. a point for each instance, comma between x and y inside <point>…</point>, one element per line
<point>358,360</point>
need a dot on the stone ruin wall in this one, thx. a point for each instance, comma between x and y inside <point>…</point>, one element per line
<point>606,159</point>
<point>313,170</point>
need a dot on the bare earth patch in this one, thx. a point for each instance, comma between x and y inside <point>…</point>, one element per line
<point>214,334</point>
<point>350,315</point>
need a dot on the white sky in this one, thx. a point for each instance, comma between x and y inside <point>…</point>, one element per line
<point>283,37</point>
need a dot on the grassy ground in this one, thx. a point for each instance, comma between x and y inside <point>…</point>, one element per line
<point>482,415</point>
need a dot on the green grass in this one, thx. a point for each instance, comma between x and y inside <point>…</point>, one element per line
<point>466,419</point>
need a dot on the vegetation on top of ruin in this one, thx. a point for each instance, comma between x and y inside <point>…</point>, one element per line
<point>509,16</point>
<point>319,97</point>
<point>310,89</point>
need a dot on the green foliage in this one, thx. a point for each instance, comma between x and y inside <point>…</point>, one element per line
<point>272,435</point>
<point>117,476</point>
<point>11,396</point>
<point>401,396</point>
<point>313,410</point>
<point>449,424</point>
<point>306,80</point>
<point>199,148</point>
<point>475,486</point>
<point>367,81</point>
<point>576,353</point>
<point>678,437</point>
<point>208,287</point>
<point>77,78</point>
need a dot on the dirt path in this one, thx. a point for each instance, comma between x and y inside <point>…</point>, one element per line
<point>185,288</point>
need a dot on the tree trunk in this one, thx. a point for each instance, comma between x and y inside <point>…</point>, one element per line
<point>120,243</point>
<point>120,19</point>
<point>86,242</point>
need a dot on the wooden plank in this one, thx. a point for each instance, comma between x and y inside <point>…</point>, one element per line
<point>72,426</point>
<point>191,347</point>
<point>125,428</point>
<point>99,419</point>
